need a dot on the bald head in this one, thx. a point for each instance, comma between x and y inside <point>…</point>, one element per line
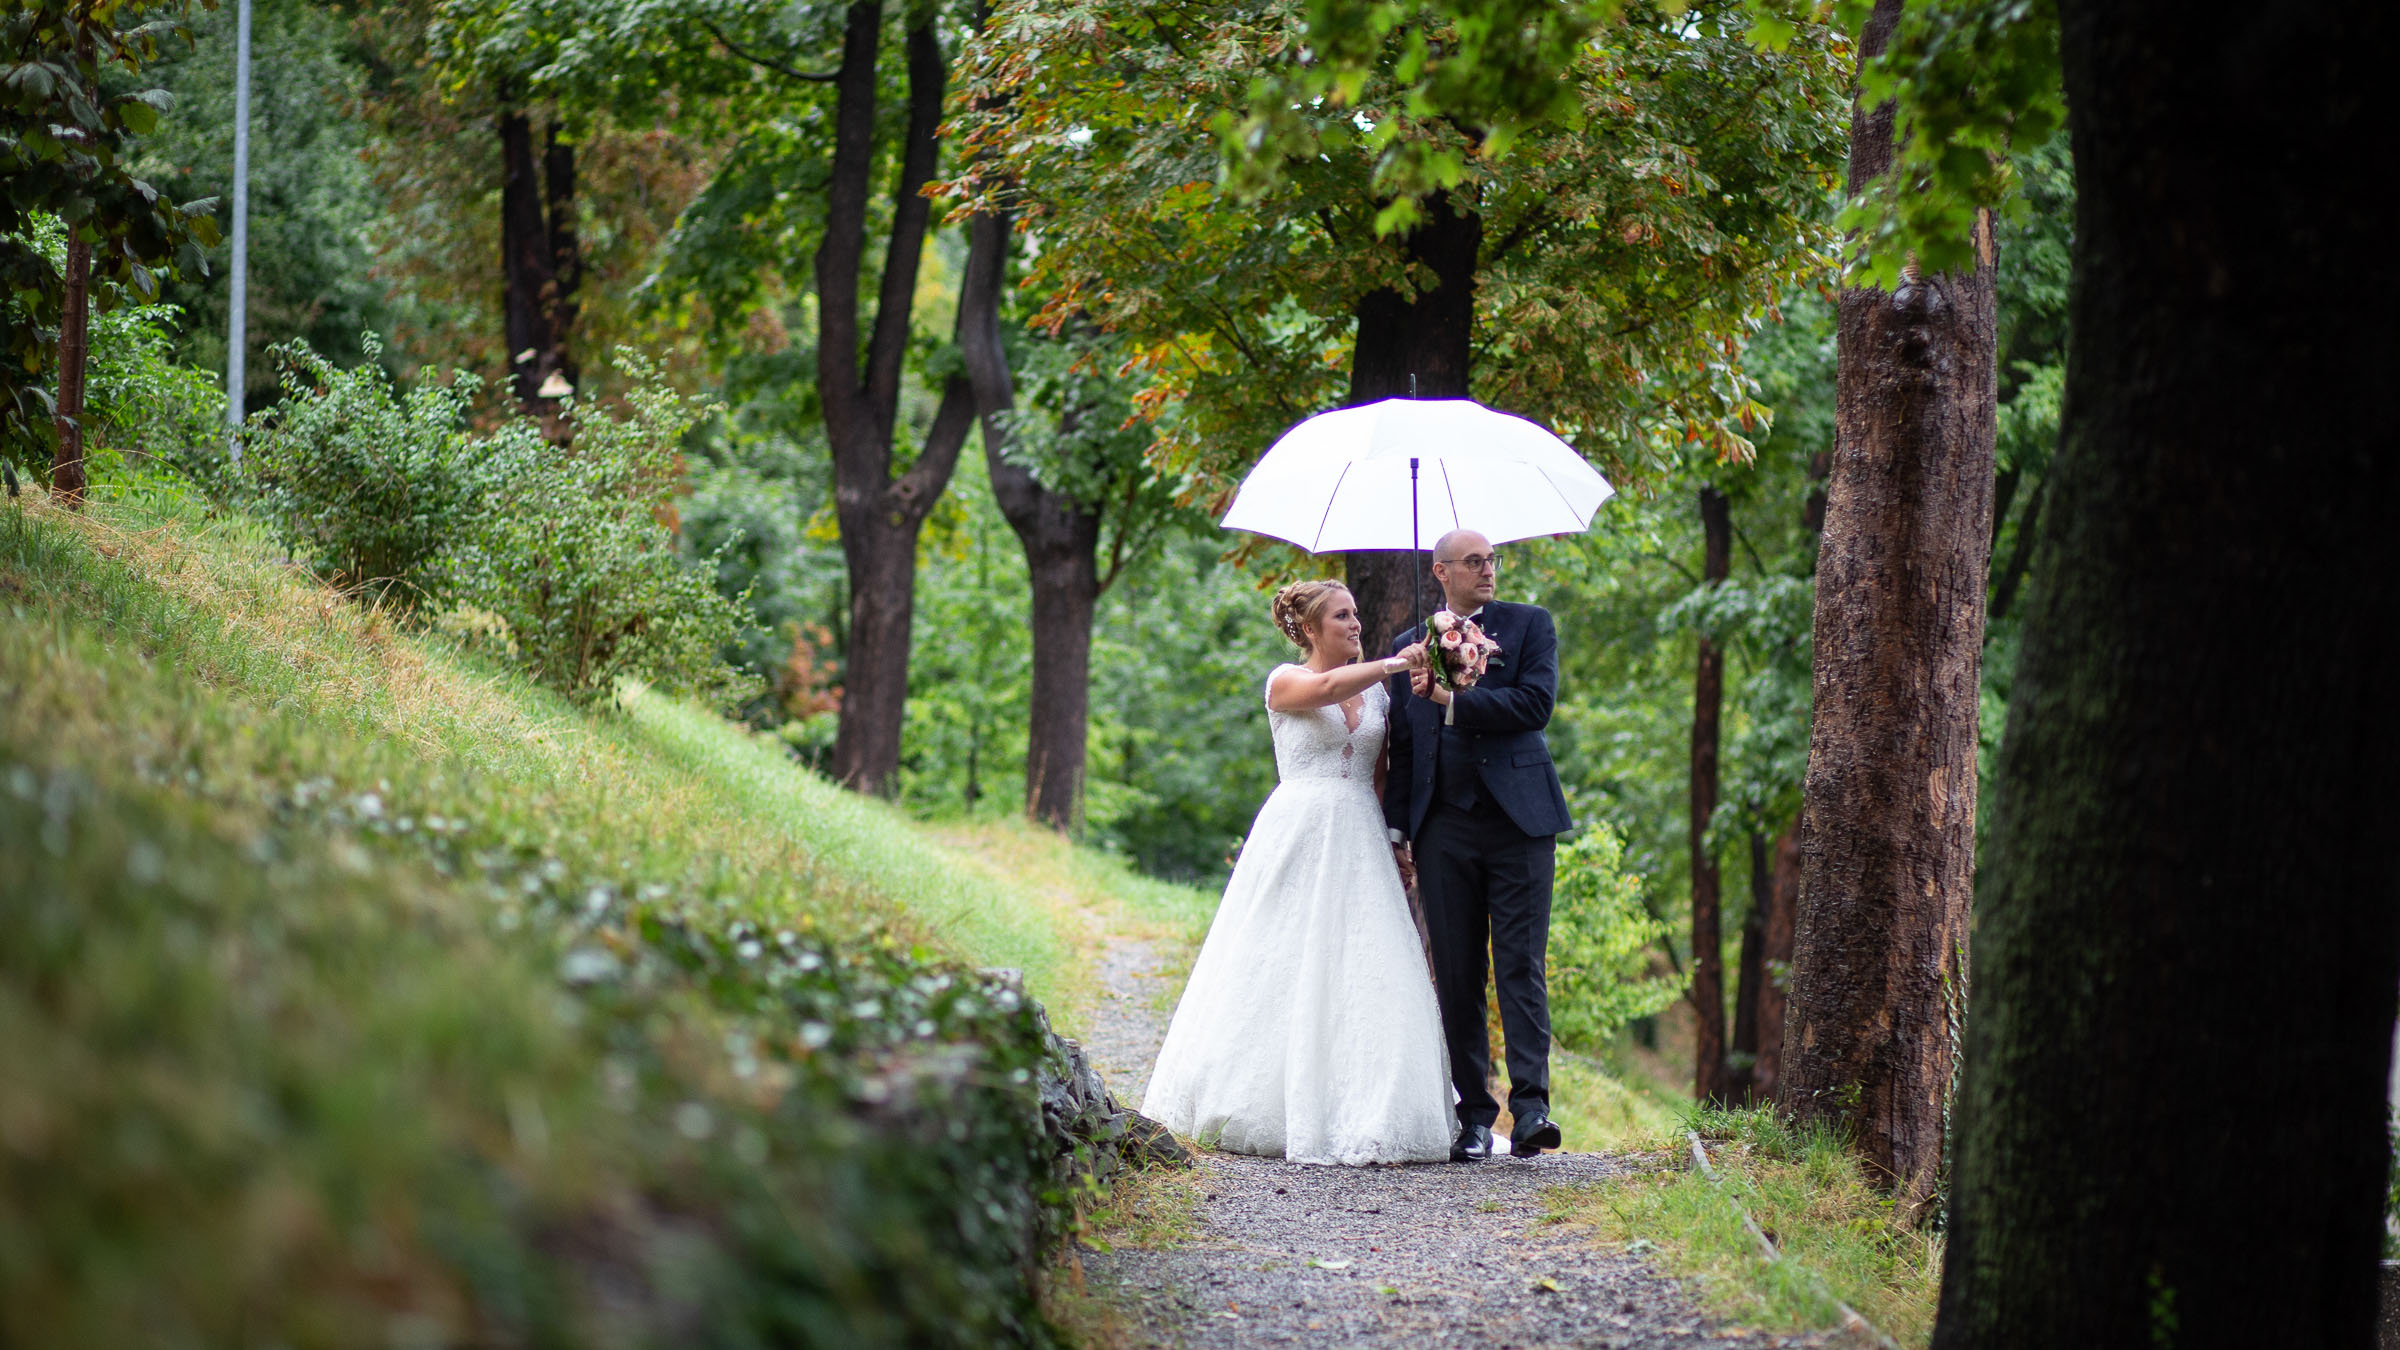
<point>1458,544</point>
<point>1466,569</point>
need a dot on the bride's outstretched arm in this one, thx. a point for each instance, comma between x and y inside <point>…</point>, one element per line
<point>1298,689</point>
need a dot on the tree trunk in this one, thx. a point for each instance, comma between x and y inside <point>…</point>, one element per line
<point>1429,338</point>
<point>67,478</point>
<point>2171,1125</point>
<point>1062,554</point>
<point>566,255</point>
<point>1061,538</point>
<point>1710,1079</point>
<point>528,279</point>
<point>1742,1077</point>
<point>880,514</point>
<point>1782,905</point>
<point>1888,823</point>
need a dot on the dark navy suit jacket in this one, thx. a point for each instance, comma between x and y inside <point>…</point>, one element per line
<point>1501,719</point>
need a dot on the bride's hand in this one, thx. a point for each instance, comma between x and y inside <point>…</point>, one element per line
<point>1414,654</point>
<point>1424,685</point>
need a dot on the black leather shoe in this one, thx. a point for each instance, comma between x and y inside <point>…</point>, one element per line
<point>1532,1134</point>
<point>1474,1144</point>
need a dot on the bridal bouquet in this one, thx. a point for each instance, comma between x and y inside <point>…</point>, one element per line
<point>1459,652</point>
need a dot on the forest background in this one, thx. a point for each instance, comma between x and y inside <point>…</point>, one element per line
<point>384,178</point>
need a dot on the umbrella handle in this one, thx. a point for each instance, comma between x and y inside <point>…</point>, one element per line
<point>1416,547</point>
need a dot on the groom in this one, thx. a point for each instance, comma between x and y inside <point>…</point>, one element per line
<point>1473,805</point>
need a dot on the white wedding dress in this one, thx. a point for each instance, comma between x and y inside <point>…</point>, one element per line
<point>1308,1029</point>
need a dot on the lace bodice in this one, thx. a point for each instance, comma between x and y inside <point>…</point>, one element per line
<point>1319,743</point>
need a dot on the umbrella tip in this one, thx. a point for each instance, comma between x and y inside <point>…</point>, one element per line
<point>1412,384</point>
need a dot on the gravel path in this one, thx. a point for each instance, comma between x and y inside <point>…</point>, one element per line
<point>1336,1257</point>
<point>1129,1023</point>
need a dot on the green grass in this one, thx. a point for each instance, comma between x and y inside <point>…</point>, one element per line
<point>1838,1234</point>
<point>359,991</point>
<point>859,846</point>
<point>1603,1110</point>
<point>665,792</point>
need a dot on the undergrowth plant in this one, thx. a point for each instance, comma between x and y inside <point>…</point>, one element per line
<point>568,545</point>
<point>365,484</point>
<point>1841,1239</point>
<point>564,543</point>
<point>1600,943</point>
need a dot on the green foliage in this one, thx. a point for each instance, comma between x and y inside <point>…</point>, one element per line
<point>1623,258</point>
<point>416,1048</point>
<point>1973,83</point>
<point>63,135</point>
<point>567,545</point>
<point>145,403</point>
<point>1600,941</point>
<point>315,210</point>
<point>1768,620</point>
<point>365,485</point>
<point>1491,66</point>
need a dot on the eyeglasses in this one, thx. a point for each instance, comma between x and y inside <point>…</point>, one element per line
<point>1480,562</point>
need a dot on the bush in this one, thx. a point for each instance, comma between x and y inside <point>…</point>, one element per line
<point>1600,937</point>
<point>143,404</point>
<point>368,487</point>
<point>568,547</point>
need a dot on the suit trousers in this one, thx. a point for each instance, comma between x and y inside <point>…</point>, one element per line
<point>1485,882</point>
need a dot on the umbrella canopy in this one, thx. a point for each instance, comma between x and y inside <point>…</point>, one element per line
<point>1347,479</point>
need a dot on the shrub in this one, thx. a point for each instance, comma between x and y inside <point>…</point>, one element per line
<point>145,405</point>
<point>562,552</point>
<point>1600,936</point>
<point>570,549</point>
<point>367,486</point>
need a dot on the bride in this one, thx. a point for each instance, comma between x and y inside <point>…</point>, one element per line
<point>1308,1029</point>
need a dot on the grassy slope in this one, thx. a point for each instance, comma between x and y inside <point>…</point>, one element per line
<point>664,792</point>
<point>288,1056</point>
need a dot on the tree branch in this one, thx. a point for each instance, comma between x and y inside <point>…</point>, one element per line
<point>912,213</point>
<point>767,62</point>
<point>1533,219</point>
<point>1747,546</point>
<point>914,492</point>
<point>861,448</point>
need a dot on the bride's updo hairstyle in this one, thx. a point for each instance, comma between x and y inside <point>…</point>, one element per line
<point>1302,605</point>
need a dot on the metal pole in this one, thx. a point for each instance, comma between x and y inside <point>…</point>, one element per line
<point>1416,553</point>
<point>237,328</point>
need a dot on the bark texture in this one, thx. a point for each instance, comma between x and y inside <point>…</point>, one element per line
<point>1428,336</point>
<point>880,512</point>
<point>1888,818</point>
<point>1711,1077</point>
<point>2170,1125</point>
<point>1061,538</point>
<point>67,476</point>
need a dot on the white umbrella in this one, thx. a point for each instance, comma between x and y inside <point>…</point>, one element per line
<point>1403,472</point>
